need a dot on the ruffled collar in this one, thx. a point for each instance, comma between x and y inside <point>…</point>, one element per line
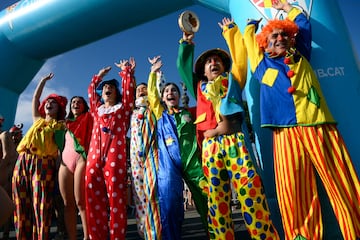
<point>141,102</point>
<point>107,110</point>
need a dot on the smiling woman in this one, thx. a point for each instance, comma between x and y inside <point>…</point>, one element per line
<point>79,124</point>
<point>35,169</point>
<point>177,158</point>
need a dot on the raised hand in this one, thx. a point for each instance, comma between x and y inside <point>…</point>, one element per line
<point>156,63</point>
<point>188,36</point>
<point>132,63</point>
<point>122,64</point>
<point>154,59</point>
<point>104,71</point>
<point>281,5</point>
<point>48,77</point>
<point>225,22</point>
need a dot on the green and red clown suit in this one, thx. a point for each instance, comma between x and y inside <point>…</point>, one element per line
<point>305,137</point>
<point>178,159</point>
<point>225,158</point>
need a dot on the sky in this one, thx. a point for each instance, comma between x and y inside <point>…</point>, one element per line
<point>73,70</point>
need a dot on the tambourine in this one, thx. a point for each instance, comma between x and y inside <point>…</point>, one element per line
<point>189,22</point>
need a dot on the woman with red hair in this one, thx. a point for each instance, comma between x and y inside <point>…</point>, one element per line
<point>35,169</point>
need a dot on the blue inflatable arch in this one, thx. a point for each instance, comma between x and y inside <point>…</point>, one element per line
<point>27,28</point>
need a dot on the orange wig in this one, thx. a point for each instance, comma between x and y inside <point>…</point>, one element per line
<point>286,25</point>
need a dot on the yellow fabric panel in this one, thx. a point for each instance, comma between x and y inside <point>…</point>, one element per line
<point>270,76</point>
<point>236,45</point>
<point>215,91</point>
<point>200,118</point>
<point>40,138</point>
<point>306,111</point>
<point>255,54</point>
<point>293,13</point>
<point>153,96</point>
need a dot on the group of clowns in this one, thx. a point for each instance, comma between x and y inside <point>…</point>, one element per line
<point>169,146</point>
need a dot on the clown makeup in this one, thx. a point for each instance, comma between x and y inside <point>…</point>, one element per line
<point>171,95</point>
<point>109,94</point>
<point>278,42</point>
<point>77,106</point>
<point>141,91</point>
<point>51,107</point>
<point>213,67</point>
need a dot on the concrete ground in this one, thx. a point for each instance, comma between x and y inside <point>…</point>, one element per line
<point>192,228</point>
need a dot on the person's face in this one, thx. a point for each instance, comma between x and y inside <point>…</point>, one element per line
<point>109,93</point>
<point>171,96</point>
<point>141,91</point>
<point>278,42</point>
<point>51,107</point>
<point>77,106</point>
<point>213,67</point>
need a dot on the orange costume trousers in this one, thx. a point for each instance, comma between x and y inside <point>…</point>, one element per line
<point>298,153</point>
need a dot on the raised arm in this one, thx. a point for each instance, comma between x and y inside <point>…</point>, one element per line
<point>254,52</point>
<point>185,63</point>
<point>127,84</point>
<point>94,98</point>
<point>236,45</point>
<point>153,96</point>
<point>304,37</point>
<point>37,94</point>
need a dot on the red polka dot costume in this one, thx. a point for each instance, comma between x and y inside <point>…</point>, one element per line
<point>106,162</point>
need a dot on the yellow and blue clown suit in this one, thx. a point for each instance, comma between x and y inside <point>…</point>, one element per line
<point>305,138</point>
<point>176,153</point>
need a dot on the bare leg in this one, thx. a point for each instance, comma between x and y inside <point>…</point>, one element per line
<point>190,198</point>
<point>7,207</point>
<point>66,185</point>
<point>10,222</point>
<point>79,191</point>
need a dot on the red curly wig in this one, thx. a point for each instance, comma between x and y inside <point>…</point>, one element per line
<point>286,25</point>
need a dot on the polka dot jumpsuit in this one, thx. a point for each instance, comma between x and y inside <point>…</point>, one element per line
<point>106,163</point>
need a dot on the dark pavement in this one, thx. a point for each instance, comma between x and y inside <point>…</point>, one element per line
<point>192,228</point>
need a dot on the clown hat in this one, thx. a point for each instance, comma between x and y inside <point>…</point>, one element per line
<point>16,128</point>
<point>101,85</point>
<point>113,82</point>
<point>200,61</point>
<point>61,101</point>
